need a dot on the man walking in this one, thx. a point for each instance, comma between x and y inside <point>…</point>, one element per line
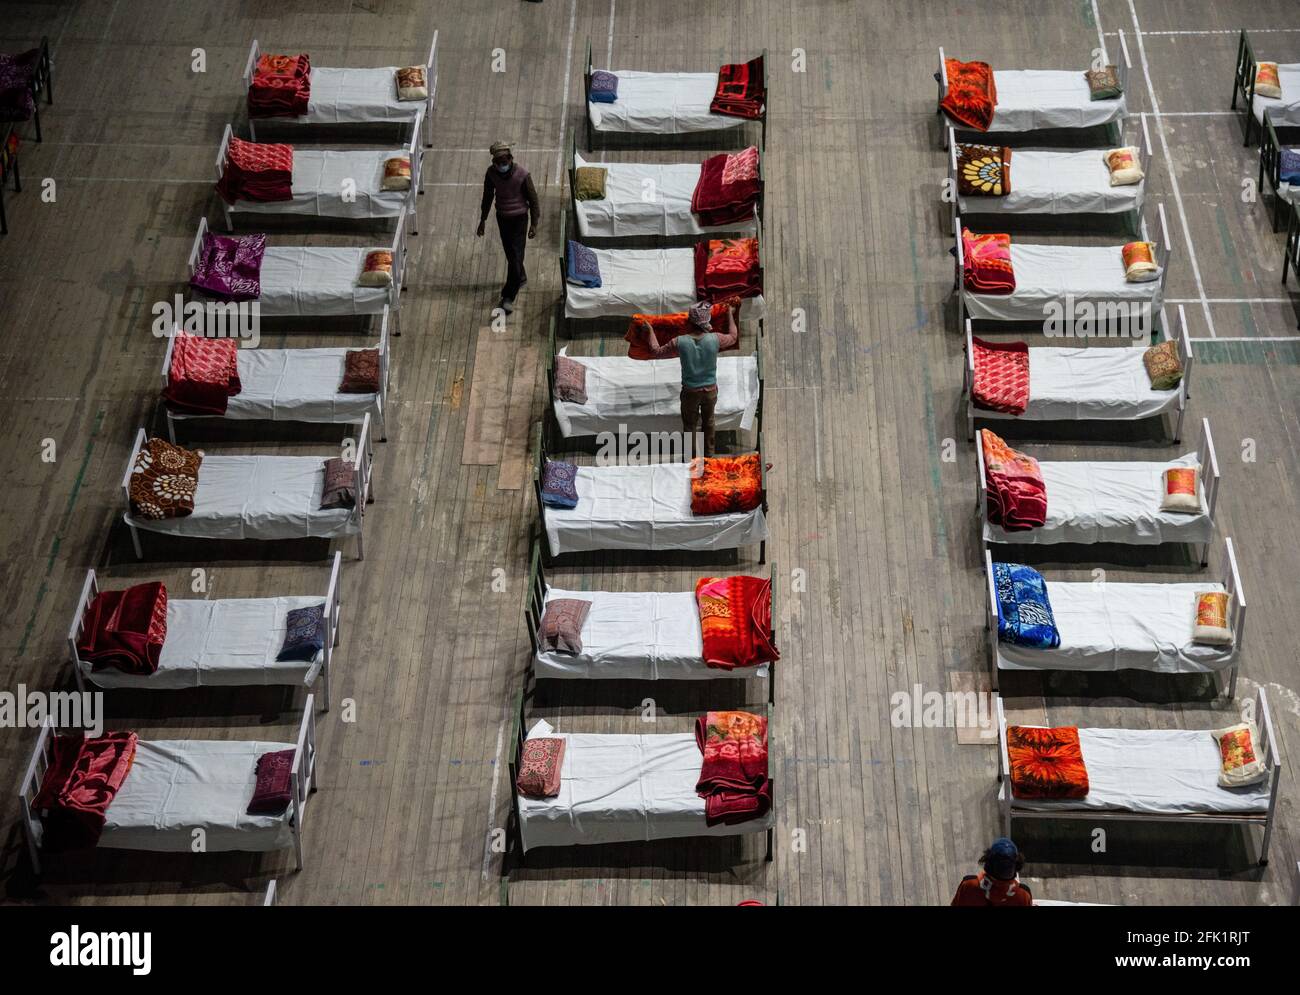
<point>518,211</point>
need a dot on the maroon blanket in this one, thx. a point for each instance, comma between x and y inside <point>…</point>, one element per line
<point>16,75</point>
<point>256,171</point>
<point>79,785</point>
<point>1017,495</point>
<point>727,189</point>
<point>281,86</point>
<point>741,90</point>
<point>733,776</point>
<point>204,375</point>
<point>125,629</point>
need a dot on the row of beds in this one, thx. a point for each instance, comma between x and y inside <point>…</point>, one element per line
<point>12,132</point>
<point>176,787</point>
<point>1166,776</point>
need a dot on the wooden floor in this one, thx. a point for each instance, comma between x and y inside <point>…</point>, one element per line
<point>871,489</point>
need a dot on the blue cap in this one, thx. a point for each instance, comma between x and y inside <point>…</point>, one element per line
<point>1000,859</point>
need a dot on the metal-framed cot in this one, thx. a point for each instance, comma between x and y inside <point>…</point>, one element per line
<point>1254,106</point>
<point>1271,147</point>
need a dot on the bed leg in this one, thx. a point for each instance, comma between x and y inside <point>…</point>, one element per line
<point>325,688</point>
<point>1263,850</point>
<point>771,685</point>
<point>1178,428</point>
<point>297,841</point>
<point>171,427</point>
<point>762,551</point>
<point>36,118</point>
<point>361,546</point>
<point>1232,683</point>
<point>135,542</point>
<point>252,130</point>
<point>970,434</point>
<point>768,856</point>
<point>1205,554</point>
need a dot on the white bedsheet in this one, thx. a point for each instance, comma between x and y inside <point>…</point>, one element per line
<point>296,385</point>
<point>231,642</point>
<point>1058,183</point>
<point>314,280</point>
<point>355,96</point>
<point>661,104</point>
<point>1155,772</point>
<point>1288,74</point>
<point>1047,273</point>
<point>646,199</point>
<point>1109,502</point>
<point>1114,626</point>
<point>1029,99</point>
<point>640,635</point>
<point>328,183</point>
<point>643,281</point>
<point>620,789</point>
<point>258,497</point>
<point>644,507</point>
<point>645,396</point>
<point>178,786</point>
<point>1092,382</point>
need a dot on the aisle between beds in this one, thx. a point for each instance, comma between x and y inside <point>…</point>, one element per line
<point>1152,757</point>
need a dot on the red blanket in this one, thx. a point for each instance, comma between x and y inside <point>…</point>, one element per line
<point>972,93</point>
<point>986,263</point>
<point>668,326</point>
<point>281,86</point>
<point>125,629</point>
<point>258,171</point>
<point>204,375</point>
<point>1046,763</point>
<point>1017,496</point>
<point>727,189</point>
<point>733,777</point>
<point>727,267</point>
<point>725,485</point>
<point>1001,376</point>
<point>736,621</point>
<point>741,90</point>
<point>79,785</point>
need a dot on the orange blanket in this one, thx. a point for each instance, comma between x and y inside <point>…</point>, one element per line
<point>972,93</point>
<point>668,326</point>
<point>724,484</point>
<point>1046,763</point>
<point>736,621</point>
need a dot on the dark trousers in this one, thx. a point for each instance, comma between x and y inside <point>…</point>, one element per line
<point>514,239</point>
<point>697,416</point>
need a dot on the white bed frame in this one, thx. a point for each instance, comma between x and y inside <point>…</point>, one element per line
<point>431,64</point>
<point>1164,249</point>
<point>1144,160</point>
<point>1205,457</point>
<point>1268,746</point>
<point>321,669</point>
<point>363,471</point>
<point>397,247</point>
<point>1231,582</point>
<point>1121,70</point>
<point>1182,342</point>
<point>272,896</point>
<point>381,400</point>
<point>302,779</point>
<point>413,149</point>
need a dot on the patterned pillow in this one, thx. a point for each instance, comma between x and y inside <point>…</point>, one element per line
<point>561,625</point>
<point>559,484</point>
<point>1181,492</point>
<point>583,269</point>
<point>1140,262</point>
<point>360,372</point>
<point>397,173</point>
<point>589,183</point>
<point>1239,765</point>
<point>1124,166</point>
<point>273,790</point>
<point>1103,84</point>
<point>378,269</point>
<point>340,488</point>
<point>1267,82</point>
<point>1289,167</point>
<point>604,87</point>
<point>570,380</point>
<point>412,83</point>
<point>540,761</point>
<point>1163,367</point>
<point>1212,619</point>
<point>304,634</point>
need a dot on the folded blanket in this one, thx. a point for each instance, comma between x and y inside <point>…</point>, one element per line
<point>1024,613</point>
<point>986,263</point>
<point>79,785</point>
<point>727,189</point>
<point>16,75</point>
<point>741,90</point>
<point>1001,376</point>
<point>668,326</point>
<point>256,171</point>
<point>736,621</point>
<point>204,375</point>
<point>165,480</point>
<point>230,266</point>
<point>1288,167</point>
<point>972,93</point>
<point>983,170</point>
<point>273,787</point>
<point>727,267</point>
<point>722,485</point>
<point>1017,496</point>
<point>125,629</point>
<point>1046,763</point>
<point>281,86</point>
<point>733,776</point>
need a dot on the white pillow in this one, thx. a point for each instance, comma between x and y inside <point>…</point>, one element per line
<point>1124,166</point>
<point>1239,760</point>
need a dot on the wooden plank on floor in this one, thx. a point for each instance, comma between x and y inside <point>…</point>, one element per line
<point>519,417</point>
<point>489,386</point>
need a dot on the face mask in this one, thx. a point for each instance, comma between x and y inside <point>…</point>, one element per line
<point>502,167</point>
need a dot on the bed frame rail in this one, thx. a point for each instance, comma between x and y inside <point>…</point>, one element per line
<point>89,592</point>
<point>196,245</point>
<point>324,667</point>
<point>1243,83</point>
<point>1291,248</point>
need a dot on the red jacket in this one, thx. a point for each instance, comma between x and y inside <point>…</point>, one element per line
<point>983,890</point>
